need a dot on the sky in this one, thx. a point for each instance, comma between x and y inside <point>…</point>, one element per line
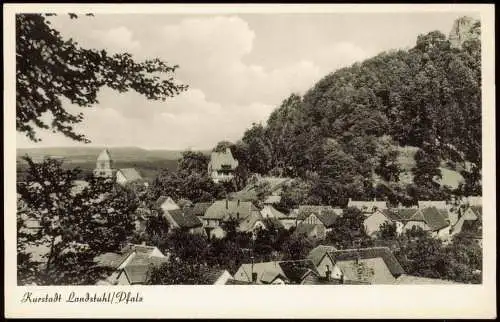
<point>239,68</point>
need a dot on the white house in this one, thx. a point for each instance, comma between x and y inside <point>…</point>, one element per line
<point>166,203</point>
<point>127,175</point>
<point>222,166</point>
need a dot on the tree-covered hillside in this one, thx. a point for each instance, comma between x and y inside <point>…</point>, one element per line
<point>344,136</point>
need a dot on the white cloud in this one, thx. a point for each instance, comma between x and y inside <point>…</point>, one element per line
<point>117,39</point>
<point>226,93</point>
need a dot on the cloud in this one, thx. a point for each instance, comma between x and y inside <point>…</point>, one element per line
<point>117,39</point>
<point>227,93</point>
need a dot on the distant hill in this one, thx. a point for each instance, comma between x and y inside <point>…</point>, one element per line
<point>147,162</point>
<point>87,154</point>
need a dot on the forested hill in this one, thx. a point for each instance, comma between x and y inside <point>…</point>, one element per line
<point>344,136</point>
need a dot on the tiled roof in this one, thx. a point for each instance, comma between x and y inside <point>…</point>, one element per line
<point>373,252</point>
<point>199,209</point>
<point>435,218</point>
<point>249,222</point>
<point>269,276</point>
<point>111,260</point>
<point>368,206</point>
<point>478,210</point>
<point>259,269</point>
<point>328,218</point>
<point>184,219</point>
<point>237,282</point>
<point>295,270</point>
<point>408,279</point>
<point>219,211</point>
<point>317,253</point>
<point>292,271</point>
<point>130,174</point>
<point>161,200</point>
<point>212,275</point>
<point>273,223</point>
<point>368,270</point>
<point>399,214</point>
<point>220,159</point>
<point>273,212</point>
<point>306,210</point>
<point>472,229</point>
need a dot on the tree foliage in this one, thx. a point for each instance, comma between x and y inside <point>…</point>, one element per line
<point>71,226</point>
<point>347,128</point>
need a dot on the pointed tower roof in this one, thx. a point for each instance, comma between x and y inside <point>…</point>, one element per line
<point>104,155</point>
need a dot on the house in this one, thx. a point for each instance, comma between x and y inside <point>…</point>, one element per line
<point>132,265</point>
<point>166,203</point>
<point>367,207</point>
<point>198,209</point>
<point>311,231</point>
<point>268,211</point>
<point>275,272</point>
<point>127,175</point>
<point>326,219</point>
<point>217,276</point>
<point>321,259</point>
<point>104,165</point>
<point>252,223</point>
<point>374,265</point>
<point>224,210</point>
<point>430,219</point>
<point>374,221</point>
<point>469,225</point>
<point>417,280</point>
<point>323,216</point>
<point>185,221</point>
<point>222,165</point>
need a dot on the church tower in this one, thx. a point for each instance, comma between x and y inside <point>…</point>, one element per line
<point>104,165</point>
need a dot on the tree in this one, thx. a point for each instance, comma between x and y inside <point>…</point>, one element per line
<point>179,272</point>
<point>259,149</point>
<point>348,231</point>
<point>296,247</point>
<point>74,227</point>
<point>388,231</point>
<point>193,162</point>
<point>50,67</point>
